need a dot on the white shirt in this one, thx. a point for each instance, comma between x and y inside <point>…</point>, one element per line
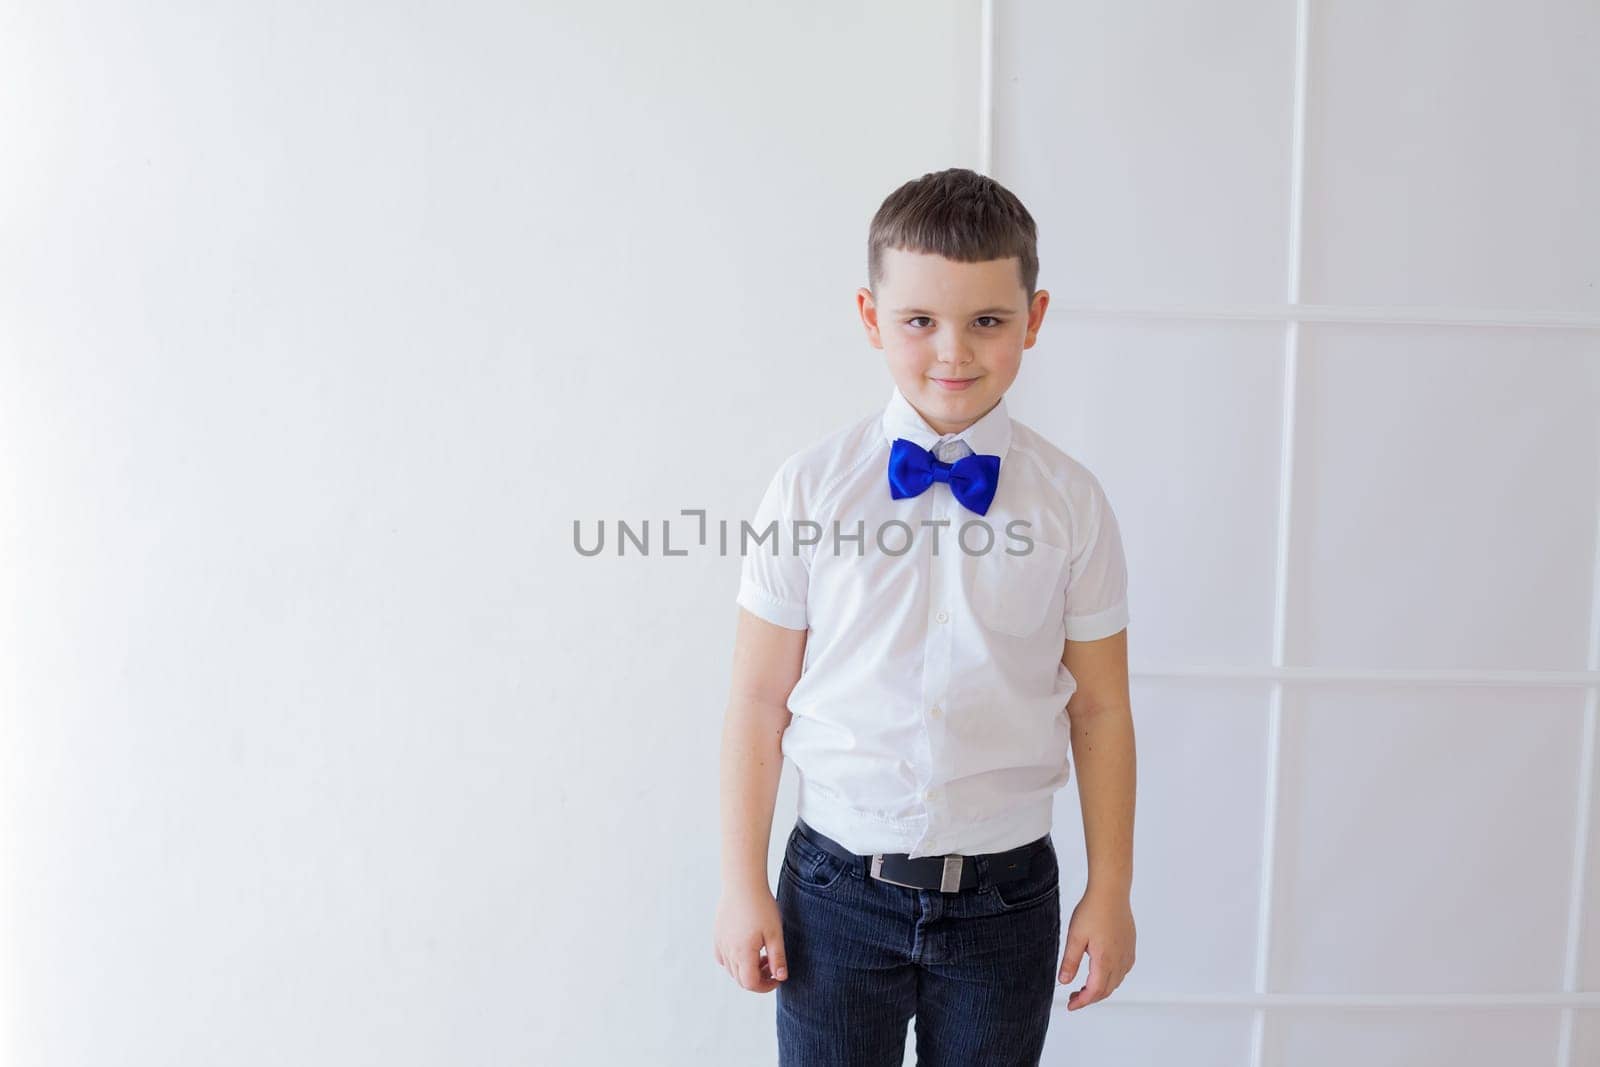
<point>930,713</point>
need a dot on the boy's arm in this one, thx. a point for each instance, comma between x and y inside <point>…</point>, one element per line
<point>766,665</point>
<point>1101,714</point>
<point>1102,744</point>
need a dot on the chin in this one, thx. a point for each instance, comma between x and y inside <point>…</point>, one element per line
<point>975,391</point>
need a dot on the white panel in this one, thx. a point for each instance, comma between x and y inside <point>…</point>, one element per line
<point>1586,1038</point>
<point>1425,839</point>
<point>1413,1037</point>
<point>1451,155</point>
<point>1197,844</point>
<point>1107,1033</point>
<point>1151,144</point>
<point>1180,421</point>
<point>1444,497</point>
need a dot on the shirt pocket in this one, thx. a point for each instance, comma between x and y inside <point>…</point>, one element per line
<point>1015,594</point>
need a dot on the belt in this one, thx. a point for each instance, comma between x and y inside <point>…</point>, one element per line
<point>948,874</point>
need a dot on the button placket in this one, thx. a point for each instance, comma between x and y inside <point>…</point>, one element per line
<point>920,760</point>
<point>944,579</point>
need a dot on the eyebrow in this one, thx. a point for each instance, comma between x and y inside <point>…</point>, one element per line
<point>980,311</point>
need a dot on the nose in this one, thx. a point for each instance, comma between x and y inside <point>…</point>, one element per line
<point>955,353</point>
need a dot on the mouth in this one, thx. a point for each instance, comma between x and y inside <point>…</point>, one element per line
<point>955,385</point>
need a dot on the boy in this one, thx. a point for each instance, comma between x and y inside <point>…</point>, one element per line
<point>942,614</point>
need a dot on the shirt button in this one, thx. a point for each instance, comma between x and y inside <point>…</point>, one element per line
<point>932,794</point>
<point>943,616</point>
<point>935,711</point>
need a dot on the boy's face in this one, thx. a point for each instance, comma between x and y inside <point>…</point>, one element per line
<point>953,332</point>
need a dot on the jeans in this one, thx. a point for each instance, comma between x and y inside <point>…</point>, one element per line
<point>976,968</point>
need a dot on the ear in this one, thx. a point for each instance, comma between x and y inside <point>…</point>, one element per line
<point>868,310</point>
<point>1041,300</point>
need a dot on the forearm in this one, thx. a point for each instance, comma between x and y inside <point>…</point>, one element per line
<point>1103,751</point>
<point>752,763</point>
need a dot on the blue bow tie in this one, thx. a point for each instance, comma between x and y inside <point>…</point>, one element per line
<point>972,479</point>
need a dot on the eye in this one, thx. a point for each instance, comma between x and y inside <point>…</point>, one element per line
<point>991,318</point>
<point>913,321</point>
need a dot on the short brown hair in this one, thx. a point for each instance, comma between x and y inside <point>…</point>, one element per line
<point>959,214</point>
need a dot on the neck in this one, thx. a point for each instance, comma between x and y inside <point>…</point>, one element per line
<point>943,428</point>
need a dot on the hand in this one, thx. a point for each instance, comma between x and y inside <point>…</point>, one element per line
<point>747,924</point>
<point>1101,924</point>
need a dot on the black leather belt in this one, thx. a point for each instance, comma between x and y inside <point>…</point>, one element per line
<point>948,874</point>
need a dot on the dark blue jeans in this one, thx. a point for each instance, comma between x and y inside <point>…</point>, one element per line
<point>976,968</point>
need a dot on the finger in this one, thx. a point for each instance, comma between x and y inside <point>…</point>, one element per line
<point>750,968</point>
<point>1082,997</point>
<point>776,958</point>
<point>1072,958</point>
<point>1079,995</point>
<point>1093,988</point>
<point>752,971</point>
<point>765,981</point>
<point>759,980</point>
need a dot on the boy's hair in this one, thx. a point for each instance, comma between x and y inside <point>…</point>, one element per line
<point>959,214</point>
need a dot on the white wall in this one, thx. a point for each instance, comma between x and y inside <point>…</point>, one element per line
<point>320,324</point>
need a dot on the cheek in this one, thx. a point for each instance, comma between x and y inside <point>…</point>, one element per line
<point>914,354</point>
<point>1006,351</point>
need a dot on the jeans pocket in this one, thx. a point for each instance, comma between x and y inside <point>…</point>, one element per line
<point>807,865</point>
<point>1042,882</point>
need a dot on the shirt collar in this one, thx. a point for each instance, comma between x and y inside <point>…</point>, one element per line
<point>990,435</point>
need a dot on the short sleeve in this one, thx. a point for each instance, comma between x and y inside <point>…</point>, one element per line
<point>1097,581</point>
<point>773,577</point>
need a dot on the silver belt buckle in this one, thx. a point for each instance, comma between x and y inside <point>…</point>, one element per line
<point>949,880</point>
